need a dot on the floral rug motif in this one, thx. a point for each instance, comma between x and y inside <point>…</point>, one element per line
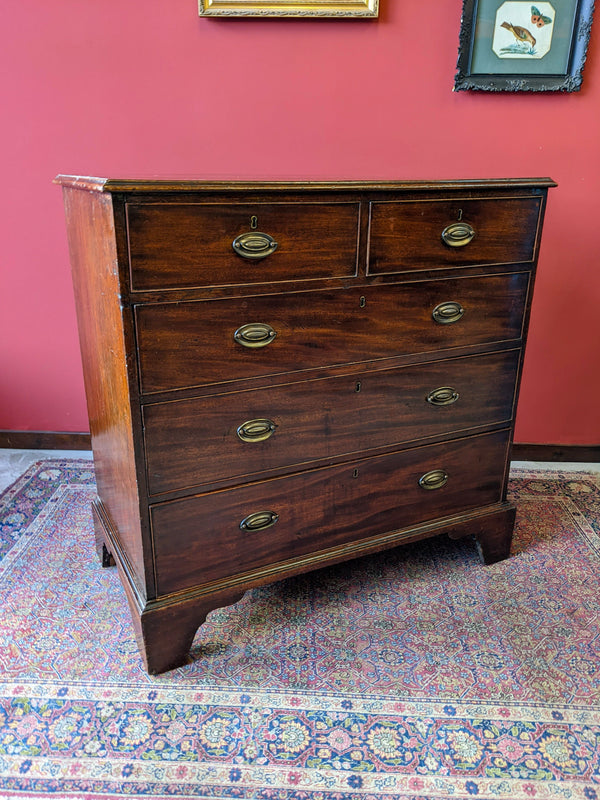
<point>415,674</point>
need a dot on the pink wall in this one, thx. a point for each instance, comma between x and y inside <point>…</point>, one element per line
<point>146,87</point>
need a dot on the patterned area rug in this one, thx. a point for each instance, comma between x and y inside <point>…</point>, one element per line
<point>418,673</point>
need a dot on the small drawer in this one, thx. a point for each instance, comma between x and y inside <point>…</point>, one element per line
<point>214,244</point>
<point>207,537</point>
<point>195,343</point>
<point>437,234</point>
<point>242,434</point>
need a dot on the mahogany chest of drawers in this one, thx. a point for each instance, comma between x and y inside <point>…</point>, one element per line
<point>281,376</point>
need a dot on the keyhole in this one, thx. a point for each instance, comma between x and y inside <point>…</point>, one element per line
<point>254,223</point>
<point>362,302</point>
<point>460,213</point>
<point>358,386</point>
<point>355,474</point>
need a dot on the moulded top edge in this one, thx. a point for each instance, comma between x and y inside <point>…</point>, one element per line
<point>138,185</point>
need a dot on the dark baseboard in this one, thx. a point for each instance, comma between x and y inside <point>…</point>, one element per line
<point>65,440</point>
<point>45,440</point>
<point>556,452</point>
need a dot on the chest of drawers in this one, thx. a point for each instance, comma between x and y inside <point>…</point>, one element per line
<point>282,376</point>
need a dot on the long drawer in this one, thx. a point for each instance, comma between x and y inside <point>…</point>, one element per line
<point>240,434</point>
<point>203,538</point>
<point>208,244</point>
<point>432,234</point>
<point>195,343</point>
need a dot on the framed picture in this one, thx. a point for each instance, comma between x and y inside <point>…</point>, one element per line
<point>289,8</point>
<point>523,45</point>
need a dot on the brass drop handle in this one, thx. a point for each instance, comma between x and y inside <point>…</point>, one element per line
<point>256,430</point>
<point>448,312</point>
<point>444,396</point>
<point>254,245</point>
<point>255,334</point>
<point>434,479</point>
<point>458,234</point>
<point>259,521</point>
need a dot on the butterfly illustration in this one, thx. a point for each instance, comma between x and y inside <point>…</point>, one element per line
<point>538,18</point>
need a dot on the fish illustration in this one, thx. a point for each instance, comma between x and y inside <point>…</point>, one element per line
<point>538,18</point>
<point>520,34</point>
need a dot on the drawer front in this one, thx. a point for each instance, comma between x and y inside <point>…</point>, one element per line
<point>212,536</point>
<point>194,343</point>
<point>192,244</point>
<point>411,235</point>
<point>237,435</point>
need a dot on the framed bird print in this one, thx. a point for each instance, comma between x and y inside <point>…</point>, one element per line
<point>523,46</point>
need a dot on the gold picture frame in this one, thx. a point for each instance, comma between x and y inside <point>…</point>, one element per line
<point>289,8</point>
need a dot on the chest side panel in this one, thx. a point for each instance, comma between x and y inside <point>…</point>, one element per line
<point>93,256</point>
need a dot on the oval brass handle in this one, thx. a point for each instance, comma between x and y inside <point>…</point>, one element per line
<point>254,245</point>
<point>444,396</point>
<point>255,334</point>
<point>448,312</point>
<point>259,521</point>
<point>458,234</point>
<point>434,479</point>
<point>256,430</point>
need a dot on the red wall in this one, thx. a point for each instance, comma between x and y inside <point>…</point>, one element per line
<point>147,87</point>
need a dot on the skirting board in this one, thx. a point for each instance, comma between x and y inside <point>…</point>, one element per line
<point>45,440</point>
<point>66,440</point>
<point>556,452</point>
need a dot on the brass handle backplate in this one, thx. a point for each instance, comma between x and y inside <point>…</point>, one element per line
<point>444,396</point>
<point>259,521</point>
<point>434,479</point>
<point>256,430</point>
<point>458,234</point>
<point>255,334</point>
<point>448,312</point>
<point>254,245</point>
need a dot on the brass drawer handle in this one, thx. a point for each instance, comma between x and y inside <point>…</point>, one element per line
<point>259,521</point>
<point>434,479</point>
<point>255,334</point>
<point>448,312</point>
<point>254,245</point>
<point>458,234</point>
<point>444,396</point>
<point>256,430</point>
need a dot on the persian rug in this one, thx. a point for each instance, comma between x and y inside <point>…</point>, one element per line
<point>418,673</point>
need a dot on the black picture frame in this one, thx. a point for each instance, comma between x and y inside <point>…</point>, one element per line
<point>484,65</point>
